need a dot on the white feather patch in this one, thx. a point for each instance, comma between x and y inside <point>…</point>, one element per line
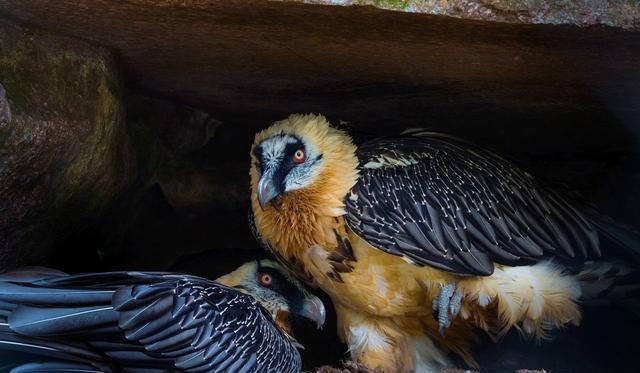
<point>390,160</point>
<point>367,337</point>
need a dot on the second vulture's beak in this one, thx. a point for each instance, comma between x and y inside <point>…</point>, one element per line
<point>313,309</point>
<point>267,190</point>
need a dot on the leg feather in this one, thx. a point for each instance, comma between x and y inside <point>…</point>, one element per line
<point>534,298</point>
<point>388,345</point>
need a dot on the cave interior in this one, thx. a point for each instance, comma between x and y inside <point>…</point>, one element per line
<point>199,81</point>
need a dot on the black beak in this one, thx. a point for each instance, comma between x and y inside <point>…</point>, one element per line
<point>267,190</point>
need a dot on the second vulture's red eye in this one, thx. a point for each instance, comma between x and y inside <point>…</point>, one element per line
<point>264,279</point>
<point>298,156</point>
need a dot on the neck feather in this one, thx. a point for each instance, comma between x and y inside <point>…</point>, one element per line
<point>308,216</point>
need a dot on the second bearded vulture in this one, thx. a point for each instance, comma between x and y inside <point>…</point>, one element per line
<point>400,228</point>
<point>153,321</point>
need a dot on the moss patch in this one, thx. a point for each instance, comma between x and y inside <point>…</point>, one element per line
<point>386,4</point>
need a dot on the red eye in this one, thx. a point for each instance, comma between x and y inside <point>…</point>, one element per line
<point>298,156</point>
<point>264,279</point>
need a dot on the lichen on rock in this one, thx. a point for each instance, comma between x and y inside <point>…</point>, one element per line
<point>615,13</point>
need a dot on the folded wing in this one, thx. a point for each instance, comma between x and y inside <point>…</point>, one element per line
<point>439,201</point>
<point>142,320</point>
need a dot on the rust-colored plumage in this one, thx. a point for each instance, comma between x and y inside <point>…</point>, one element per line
<point>383,299</point>
<point>308,216</point>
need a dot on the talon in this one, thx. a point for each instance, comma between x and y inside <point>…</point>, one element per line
<point>454,305</point>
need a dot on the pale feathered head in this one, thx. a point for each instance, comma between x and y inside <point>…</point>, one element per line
<point>299,153</point>
<point>276,290</point>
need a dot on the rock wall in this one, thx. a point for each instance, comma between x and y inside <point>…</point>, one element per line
<point>614,13</point>
<point>64,150</point>
<point>567,95</point>
<point>525,87</point>
<point>73,146</point>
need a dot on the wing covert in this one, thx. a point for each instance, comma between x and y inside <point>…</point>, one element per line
<point>439,201</point>
<point>204,327</point>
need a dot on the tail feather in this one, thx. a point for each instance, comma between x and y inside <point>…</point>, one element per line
<point>68,322</point>
<point>66,367</point>
<point>614,236</point>
<point>616,279</point>
<point>72,352</point>
<point>69,355</point>
<point>40,322</point>
<point>29,313</point>
<point>610,282</point>
<point>30,274</point>
<point>55,367</point>
<point>11,292</point>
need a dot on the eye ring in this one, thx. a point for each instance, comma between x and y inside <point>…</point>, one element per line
<point>264,279</point>
<point>299,156</point>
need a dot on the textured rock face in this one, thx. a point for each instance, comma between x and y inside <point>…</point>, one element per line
<point>517,88</point>
<point>76,156</point>
<point>64,150</point>
<point>615,13</point>
<point>250,63</point>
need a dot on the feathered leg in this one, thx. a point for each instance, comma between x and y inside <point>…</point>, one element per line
<point>538,298</point>
<point>388,345</point>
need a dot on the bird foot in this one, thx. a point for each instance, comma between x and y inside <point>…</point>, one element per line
<point>447,306</point>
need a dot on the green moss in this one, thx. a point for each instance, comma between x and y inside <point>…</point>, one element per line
<point>386,4</point>
<point>40,79</point>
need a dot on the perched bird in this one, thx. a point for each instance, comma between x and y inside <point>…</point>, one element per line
<point>401,229</point>
<point>154,321</point>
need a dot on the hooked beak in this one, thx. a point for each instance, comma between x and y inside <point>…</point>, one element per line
<point>313,309</point>
<point>267,190</point>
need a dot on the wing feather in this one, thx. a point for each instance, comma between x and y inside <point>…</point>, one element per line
<point>153,320</point>
<point>442,202</point>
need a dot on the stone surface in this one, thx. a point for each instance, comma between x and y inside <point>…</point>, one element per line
<point>533,87</point>
<point>614,13</point>
<point>567,95</point>
<point>64,151</point>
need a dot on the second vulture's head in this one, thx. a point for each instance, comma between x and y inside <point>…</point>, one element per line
<point>302,156</point>
<point>277,291</point>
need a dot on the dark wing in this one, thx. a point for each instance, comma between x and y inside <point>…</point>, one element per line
<point>204,326</point>
<point>439,201</point>
<point>150,320</point>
